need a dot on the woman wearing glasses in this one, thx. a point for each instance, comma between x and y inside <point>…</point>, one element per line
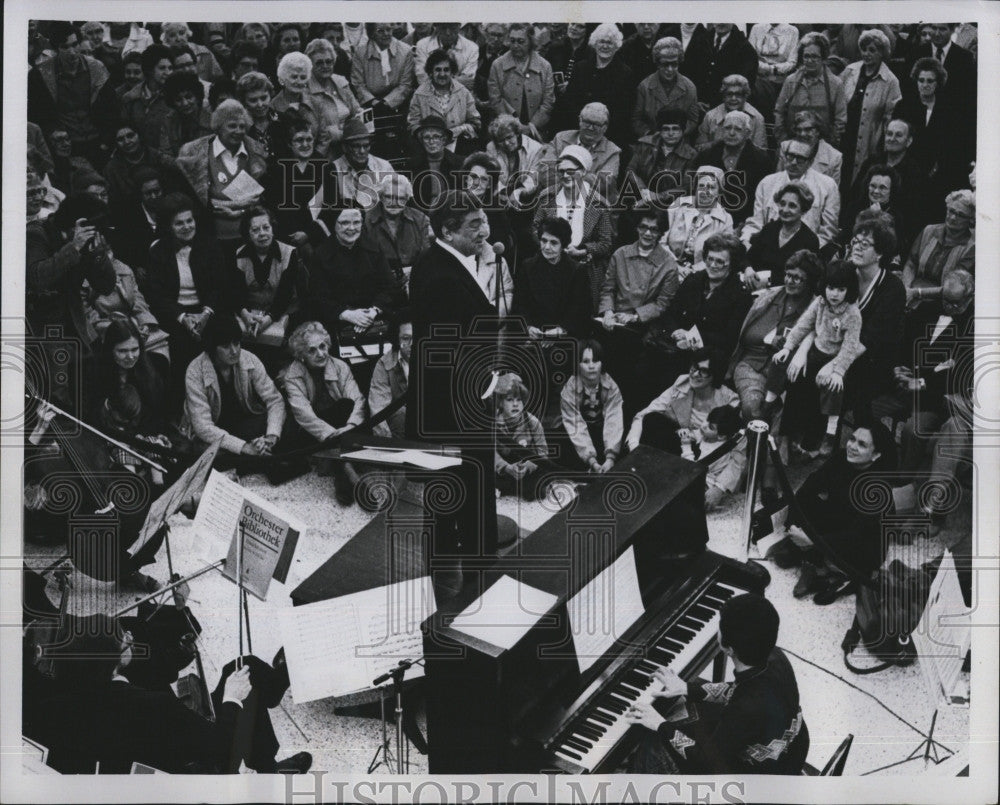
<point>812,86</point>
<point>694,219</point>
<point>768,321</point>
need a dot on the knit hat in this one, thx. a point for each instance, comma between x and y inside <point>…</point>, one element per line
<point>578,154</point>
<point>355,129</point>
<point>434,122</point>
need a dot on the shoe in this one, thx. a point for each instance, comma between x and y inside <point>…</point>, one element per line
<point>837,586</point>
<point>785,554</point>
<point>828,446</point>
<point>141,582</point>
<point>811,580</point>
<point>299,763</point>
<point>343,489</point>
<point>279,659</point>
<point>770,409</point>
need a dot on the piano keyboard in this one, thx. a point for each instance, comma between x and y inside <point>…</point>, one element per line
<point>602,725</point>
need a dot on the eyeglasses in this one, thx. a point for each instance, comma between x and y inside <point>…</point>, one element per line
<point>648,228</point>
<point>568,171</point>
<point>864,243</point>
<point>432,135</point>
<point>704,371</point>
<point>794,279</point>
<point>797,157</point>
<point>592,124</point>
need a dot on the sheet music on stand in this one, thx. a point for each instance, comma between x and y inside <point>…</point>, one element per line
<point>944,635</point>
<point>338,646</point>
<point>604,609</point>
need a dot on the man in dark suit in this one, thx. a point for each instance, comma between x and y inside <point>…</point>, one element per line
<point>454,348</point>
<point>95,714</point>
<point>709,59</point>
<point>959,62</point>
<point>744,165</point>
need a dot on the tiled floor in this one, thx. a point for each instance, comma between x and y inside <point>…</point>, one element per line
<point>884,711</point>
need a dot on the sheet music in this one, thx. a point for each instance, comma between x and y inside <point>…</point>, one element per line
<point>604,609</point>
<point>243,188</point>
<point>339,646</point>
<point>217,515</point>
<point>504,613</point>
<point>944,633</point>
<point>416,458</point>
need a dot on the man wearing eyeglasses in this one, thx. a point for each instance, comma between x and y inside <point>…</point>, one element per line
<point>594,119</point>
<point>822,218</point>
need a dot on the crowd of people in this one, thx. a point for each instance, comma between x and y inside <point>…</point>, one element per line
<point>724,222</point>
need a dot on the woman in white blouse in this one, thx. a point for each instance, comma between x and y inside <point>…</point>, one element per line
<point>693,219</point>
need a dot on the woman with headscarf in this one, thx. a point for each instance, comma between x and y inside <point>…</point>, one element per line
<point>694,219</point>
<point>872,92</point>
<point>576,201</point>
<point>941,249</point>
<point>812,86</point>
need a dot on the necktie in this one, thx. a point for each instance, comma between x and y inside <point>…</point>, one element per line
<point>718,43</point>
<point>940,54</point>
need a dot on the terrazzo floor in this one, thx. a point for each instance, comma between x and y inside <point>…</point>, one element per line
<point>884,711</point>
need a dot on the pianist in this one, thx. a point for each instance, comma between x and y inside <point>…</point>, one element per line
<point>752,725</point>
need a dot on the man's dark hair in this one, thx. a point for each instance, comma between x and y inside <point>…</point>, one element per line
<point>91,655</point>
<point>59,31</point>
<point>242,50</point>
<point>748,624</point>
<point>450,214</point>
<point>221,89</point>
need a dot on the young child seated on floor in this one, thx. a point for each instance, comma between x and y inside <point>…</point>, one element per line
<point>521,459</point>
<point>725,473</point>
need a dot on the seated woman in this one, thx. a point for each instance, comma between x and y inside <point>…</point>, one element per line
<point>523,161</point>
<point>441,94</point>
<point>825,341</point>
<point>269,280</point>
<point>809,128</point>
<point>301,178</point>
<point>592,413</point>
<point>483,181</point>
<point>186,281</point>
<point>735,98</point>
<point>674,415</point>
<point>229,396</point>
<point>323,397</point>
<point>433,167</point>
<point>126,300</point>
<point>521,458</point>
<point>941,248</point>
<point>778,240</point>
<point>837,541</point>
<point>188,118</point>
<point>881,190</point>
<point>694,219</point>
<point>398,231</point>
<point>767,324</point>
<point>391,378</point>
<point>575,200</point>
<point>551,292</point>
<point>707,311</point>
<point>352,290</point>
<point>122,360</point>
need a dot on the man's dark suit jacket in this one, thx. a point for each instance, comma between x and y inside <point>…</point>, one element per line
<point>706,67</point>
<point>451,369</point>
<point>741,184</point>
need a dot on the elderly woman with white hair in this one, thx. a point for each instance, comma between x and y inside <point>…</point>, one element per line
<point>601,77</point>
<point>331,93</point>
<point>665,89</point>
<point>694,219</point>
<point>215,162</point>
<point>294,74</point>
<point>323,397</point>
<point>735,97</point>
<point>521,83</point>
<point>399,231</point>
<point>942,249</point>
<point>872,92</point>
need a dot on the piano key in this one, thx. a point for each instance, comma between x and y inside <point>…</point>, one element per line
<point>569,754</point>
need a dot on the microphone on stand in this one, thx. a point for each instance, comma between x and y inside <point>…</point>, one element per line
<point>498,250</point>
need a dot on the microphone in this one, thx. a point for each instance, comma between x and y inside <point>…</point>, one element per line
<point>403,666</point>
<point>498,250</point>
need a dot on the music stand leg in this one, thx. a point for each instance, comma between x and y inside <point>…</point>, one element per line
<point>928,749</point>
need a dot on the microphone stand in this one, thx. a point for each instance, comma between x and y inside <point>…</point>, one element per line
<point>402,747</point>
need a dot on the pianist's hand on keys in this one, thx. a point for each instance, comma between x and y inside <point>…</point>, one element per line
<point>643,712</point>
<point>667,684</point>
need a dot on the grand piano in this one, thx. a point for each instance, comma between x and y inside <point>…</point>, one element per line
<point>531,706</point>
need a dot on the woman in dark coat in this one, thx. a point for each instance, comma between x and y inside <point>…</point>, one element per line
<point>771,248</point>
